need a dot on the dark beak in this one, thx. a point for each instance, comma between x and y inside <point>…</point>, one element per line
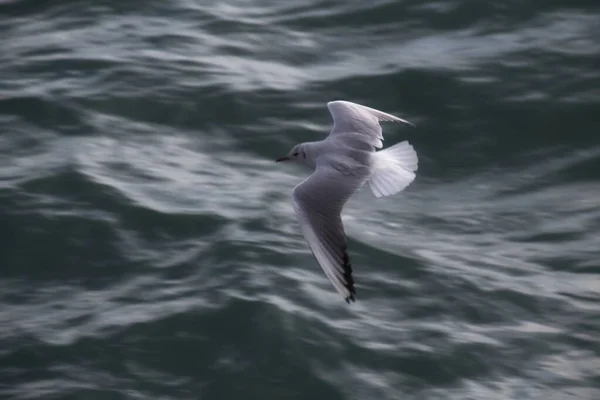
<point>282,159</point>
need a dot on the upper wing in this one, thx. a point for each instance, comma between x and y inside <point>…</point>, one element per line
<point>318,202</point>
<point>359,122</point>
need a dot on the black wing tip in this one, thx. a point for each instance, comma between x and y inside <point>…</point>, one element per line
<point>349,278</point>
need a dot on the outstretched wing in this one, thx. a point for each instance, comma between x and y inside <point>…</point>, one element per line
<point>318,203</point>
<point>357,122</point>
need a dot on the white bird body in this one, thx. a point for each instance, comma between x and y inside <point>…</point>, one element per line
<point>342,163</point>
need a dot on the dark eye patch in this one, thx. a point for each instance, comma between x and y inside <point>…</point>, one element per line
<point>295,154</point>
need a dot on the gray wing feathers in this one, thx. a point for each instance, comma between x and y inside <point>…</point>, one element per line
<point>318,202</point>
<point>356,121</point>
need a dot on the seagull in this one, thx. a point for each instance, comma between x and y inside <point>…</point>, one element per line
<point>343,162</point>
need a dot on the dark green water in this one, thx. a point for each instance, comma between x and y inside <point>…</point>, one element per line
<point>148,246</point>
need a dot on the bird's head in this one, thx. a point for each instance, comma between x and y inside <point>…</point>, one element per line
<point>297,154</point>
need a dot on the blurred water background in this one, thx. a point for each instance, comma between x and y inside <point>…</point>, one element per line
<point>148,246</point>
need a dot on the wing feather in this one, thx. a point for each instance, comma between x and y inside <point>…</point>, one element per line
<point>318,203</point>
<point>358,122</point>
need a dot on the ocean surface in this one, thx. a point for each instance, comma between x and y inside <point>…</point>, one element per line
<point>148,245</point>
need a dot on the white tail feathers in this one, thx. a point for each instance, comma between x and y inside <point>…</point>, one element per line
<point>393,169</point>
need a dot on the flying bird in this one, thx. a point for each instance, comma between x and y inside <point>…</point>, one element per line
<point>343,162</point>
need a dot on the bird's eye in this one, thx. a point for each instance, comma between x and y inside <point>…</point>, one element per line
<point>295,154</point>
